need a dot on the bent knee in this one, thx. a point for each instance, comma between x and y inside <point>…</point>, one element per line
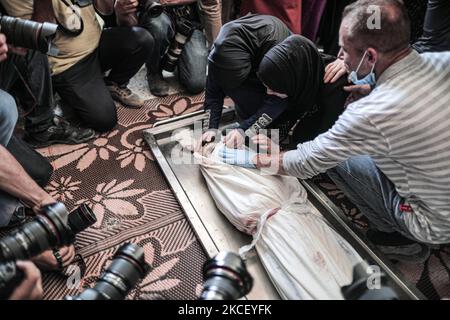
<point>103,118</point>
<point>195,86</point>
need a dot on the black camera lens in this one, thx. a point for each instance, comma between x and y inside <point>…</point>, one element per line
<point>28,34</point>
<point>226,278</point>
<point>152,8</point>
<point>124,272</point>
<point>81,218</point>
<point>49,229</point>
<point>184,30</point>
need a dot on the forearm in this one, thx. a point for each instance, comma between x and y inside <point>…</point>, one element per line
<point>43,11</point>
<point>274,162</point>
<point>16,182</point>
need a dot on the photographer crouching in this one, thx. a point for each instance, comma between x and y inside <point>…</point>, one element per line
<point>25,74</point>
<point>17,187</point>
<point>86,52</point>
<point>180,35</point>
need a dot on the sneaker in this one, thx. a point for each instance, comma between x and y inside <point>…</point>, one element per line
<point>124,95</point>
<point>59,132</point>
<point>397,247</point>
<point>157,85</point>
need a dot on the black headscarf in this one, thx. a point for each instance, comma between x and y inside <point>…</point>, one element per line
<point>294,67</point>
<point>240,46</point>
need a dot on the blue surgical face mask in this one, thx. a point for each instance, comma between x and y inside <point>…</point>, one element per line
<point>370,79</point>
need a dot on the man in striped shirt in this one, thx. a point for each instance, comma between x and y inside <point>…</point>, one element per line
<point>389,151</point>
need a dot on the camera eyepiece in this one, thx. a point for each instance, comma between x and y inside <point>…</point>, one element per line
<point>152,8</point>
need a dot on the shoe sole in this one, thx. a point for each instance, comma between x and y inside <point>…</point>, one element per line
<point>50,143</point>
<point>126,105</point>
<point>418,253</point>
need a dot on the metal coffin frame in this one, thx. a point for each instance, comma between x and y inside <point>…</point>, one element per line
<point>159,136</point>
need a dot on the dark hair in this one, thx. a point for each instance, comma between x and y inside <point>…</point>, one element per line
<point>395,26</point>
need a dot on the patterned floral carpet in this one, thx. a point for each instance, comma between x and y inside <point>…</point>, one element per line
<point>115,174</point>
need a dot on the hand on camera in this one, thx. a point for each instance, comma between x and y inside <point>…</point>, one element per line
<point>3,47</point>
<point>44,200</point>
<point>125,7</point>
<point>31,286</point>
<point>47,261</point>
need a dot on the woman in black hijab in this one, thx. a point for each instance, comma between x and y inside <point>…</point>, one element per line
<point>274,79</point>
<point>295,68</point>
<point>233,62</point>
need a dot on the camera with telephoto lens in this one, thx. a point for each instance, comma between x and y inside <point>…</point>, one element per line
<point>28,34</point>
<point>151,8</point>
<point>120,277</point>
<point>184,30</point>
<point>359,288</point>
<point>226,278</point>
<point>55,227</point>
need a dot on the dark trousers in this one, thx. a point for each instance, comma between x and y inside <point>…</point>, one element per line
<point>436,28</point>
<point>194,58</point>
<point>123,51</point>
<point>35,72</point>
<point>28,79</point>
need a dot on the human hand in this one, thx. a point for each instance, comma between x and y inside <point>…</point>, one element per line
<point>125,7</point>
<point>31,286</point>
<point>358,91</point>
<point>207,137</point>
<point>3,47</point>
<point>238,157</point>
<point>44,200</point>
<point>334,71</point>
<point>47,261</point>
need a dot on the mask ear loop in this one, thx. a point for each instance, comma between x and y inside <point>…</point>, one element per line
<point>361,62</point>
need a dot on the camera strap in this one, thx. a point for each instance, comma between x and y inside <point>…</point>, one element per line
<point>73,5</point>
<point>27,87</point>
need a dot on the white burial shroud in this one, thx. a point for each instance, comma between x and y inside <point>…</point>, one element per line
<point>303,255</point>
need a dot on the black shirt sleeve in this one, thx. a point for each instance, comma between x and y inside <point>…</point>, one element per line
<point>214,99</point>
<point>271,109</point>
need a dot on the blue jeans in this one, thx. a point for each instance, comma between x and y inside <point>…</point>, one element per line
<point>372,192</point>
<point>194,58</point>
<point>8,119</point>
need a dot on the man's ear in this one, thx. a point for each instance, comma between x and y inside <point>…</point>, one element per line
<point>372,55</point>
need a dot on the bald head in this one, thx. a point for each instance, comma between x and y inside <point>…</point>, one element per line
<point>380,24</point>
